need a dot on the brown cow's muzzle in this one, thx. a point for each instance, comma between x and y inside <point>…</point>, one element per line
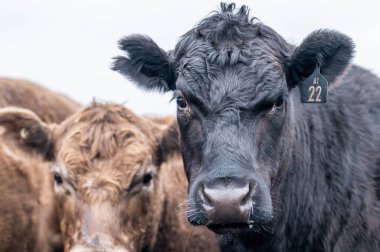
<point>100,230</point>
<point>80,248</point>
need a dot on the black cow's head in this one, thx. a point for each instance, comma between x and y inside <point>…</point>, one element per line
<point>234,81</point>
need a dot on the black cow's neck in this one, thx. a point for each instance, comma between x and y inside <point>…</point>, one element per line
<point>305,185</point>
<point>317,181</point>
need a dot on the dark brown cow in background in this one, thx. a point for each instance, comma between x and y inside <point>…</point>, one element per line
<point>49,106</point>
<point>118,178</point>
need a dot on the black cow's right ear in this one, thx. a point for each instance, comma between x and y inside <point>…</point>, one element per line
<point>331,50</point>
<point>146,64</point>
<point>26,131</point>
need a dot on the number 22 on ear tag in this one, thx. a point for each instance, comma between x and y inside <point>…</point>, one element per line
<point>314,88</point>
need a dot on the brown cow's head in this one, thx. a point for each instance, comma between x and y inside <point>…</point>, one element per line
<point>106,173</point>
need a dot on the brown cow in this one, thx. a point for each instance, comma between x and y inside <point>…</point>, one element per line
<point>118,177</point>
<point>28,219</point>
<point>49,106</point>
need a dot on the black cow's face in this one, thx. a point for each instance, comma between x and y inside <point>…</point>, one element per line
<point>234,83</point>
<point>231,129</point>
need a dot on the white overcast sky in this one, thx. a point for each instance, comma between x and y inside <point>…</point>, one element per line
<point>67,46</point>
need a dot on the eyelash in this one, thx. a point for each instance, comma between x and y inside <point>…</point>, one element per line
<point>176,94</point>
<point>269,105</point>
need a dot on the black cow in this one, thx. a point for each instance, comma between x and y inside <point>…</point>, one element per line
<point>270,172</point>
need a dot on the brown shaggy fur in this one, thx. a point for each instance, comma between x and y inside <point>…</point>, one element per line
<point>119,179</point>
<point>27,215</point>
<point>49,106</point>
<point>28,219</point>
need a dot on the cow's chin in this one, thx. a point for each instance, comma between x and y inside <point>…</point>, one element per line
<point>230,228</point>
<point>259,228</point>
<point>260,223</point>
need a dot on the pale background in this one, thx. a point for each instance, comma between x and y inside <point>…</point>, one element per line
<point>67,46</point>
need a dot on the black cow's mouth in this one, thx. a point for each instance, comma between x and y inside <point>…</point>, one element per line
<point>228,228</point>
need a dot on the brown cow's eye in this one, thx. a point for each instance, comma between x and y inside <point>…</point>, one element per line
<point>147,179</point>
<point>58,178</point>
<point>181,103</point>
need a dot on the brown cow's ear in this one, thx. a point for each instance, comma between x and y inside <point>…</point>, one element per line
<point>168,144</point>
<point>331,50</point>
<point>27,131</point>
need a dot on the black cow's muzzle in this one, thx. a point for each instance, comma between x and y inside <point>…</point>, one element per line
<point>228,204</point>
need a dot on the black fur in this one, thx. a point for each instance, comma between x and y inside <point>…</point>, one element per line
<point>317,166</point>
<point>329,49</point>
<point>153,69</point>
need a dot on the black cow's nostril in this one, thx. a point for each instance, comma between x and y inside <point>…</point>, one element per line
<point>248,196</point>
<point>204,196</point>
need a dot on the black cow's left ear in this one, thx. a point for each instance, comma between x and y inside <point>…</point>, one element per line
<point>146,64</point>
<point>332,50</point>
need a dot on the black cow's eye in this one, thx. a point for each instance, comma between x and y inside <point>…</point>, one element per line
<point>181,103</point>
<point>147,179</point>
<point>279,102</point>
<point>58,178</point>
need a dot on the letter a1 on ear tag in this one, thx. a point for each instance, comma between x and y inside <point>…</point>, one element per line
<point>314,88</point>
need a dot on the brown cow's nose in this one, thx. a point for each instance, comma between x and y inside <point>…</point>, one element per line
<point>98,243</point>
<point>101,249</point>
<point>227,202</point>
